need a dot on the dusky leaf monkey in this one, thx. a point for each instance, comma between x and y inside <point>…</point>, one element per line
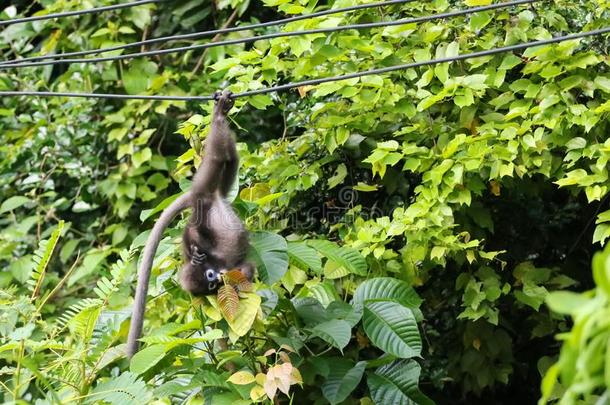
<point>215,239</point>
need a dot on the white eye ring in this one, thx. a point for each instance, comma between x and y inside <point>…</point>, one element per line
<point>212,285</point>
<point>210,275</point>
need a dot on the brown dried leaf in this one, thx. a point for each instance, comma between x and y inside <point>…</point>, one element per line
<point>237,279</point>
<point>303,90</point>
<point>234,276</point>
<point>228,301</point>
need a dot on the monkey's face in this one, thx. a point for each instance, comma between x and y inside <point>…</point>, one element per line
<point>199,279</point>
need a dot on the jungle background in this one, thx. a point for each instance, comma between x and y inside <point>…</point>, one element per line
<point>421,236</point>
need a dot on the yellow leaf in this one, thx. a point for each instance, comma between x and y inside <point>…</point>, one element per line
<point>242,378</point>
<point>257,392</point>
<point>477,2</point>
<point>246,314</point>
<point>494,187</point>
<point>261,378</point>
<point>212,311</point>
<point>295,376</point>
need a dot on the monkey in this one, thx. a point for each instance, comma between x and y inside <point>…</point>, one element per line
<point>215,240</point>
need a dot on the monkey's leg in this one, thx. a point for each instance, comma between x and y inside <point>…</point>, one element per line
<point>219,149</point>
<point>211,170</point>
<point>231,167</point>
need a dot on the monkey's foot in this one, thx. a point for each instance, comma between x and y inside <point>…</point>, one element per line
<point>224,100</point>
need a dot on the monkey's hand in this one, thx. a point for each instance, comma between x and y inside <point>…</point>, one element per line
<point>224,100</point>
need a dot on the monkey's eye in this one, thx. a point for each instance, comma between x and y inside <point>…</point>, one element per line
<point>210,275</point>
<point>212,285</point>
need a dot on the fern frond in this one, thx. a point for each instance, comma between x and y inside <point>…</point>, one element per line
<point>228,301</point>
<point>42,257</point>
<point>76,309</point>
<point>124,389</point>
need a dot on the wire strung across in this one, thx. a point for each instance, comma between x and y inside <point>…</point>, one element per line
<point>201,34</point>
<point>274,35</point>
<point>311,82</point>
<point>77,12</point>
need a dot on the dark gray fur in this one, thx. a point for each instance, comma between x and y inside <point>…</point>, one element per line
<point>215,240</point>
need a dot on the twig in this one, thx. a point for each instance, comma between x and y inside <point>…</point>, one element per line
<point>60,284</point>
<point>214,39</point>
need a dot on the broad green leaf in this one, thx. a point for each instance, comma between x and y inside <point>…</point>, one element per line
<point>386,289</point>
<point>269,252</point>
<point>12,203</point>
<point>345,311</point>
<point>336,332</point>
<point>145,214</point>
<point>396,384</point>
<point>310,310</point>
<point>304,257</point>
<point>346,257</point>
<point>343,377</point>
<point>324,292</point>
<point>566,302</point>
<point>146,358</point>
<point>392,328</point>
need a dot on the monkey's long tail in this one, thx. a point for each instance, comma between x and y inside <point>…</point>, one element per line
<point>137,317</point>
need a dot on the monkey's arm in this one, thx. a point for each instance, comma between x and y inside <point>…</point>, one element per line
<point>137,316</point>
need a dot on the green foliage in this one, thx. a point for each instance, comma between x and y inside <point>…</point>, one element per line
<point>582,370</point>
<point>482,184</point>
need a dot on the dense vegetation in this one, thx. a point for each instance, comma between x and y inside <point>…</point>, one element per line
<point>408,228</point>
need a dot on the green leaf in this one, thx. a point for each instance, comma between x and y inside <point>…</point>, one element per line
<point>386,289</point>
<point>127,388</point>
<point>392,328</point>
<point>346,257</point>
<point>12,203</point>
<point>566,302</point>
<point>269,252</point>
<point>304,257</point>
<point>260,101</point>
<point>137,78</point>
<point>603,83</point>
<point>336,332</point>
<point>396,384</point>
<point>310,310</point>
<point>145,214</point>
<point>342,379</point>
<point>146,358</point>
<point>42,257</point>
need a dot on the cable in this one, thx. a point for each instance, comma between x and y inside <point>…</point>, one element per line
<point>479,54</point>
<point>275,35</point>
<point>78,12</point>
<point>288,86</point>
<point>210,33</point>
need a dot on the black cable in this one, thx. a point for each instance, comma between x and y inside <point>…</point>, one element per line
<point>288,86</point>
<point>274,35</point>
<point>77,12</point>
<point>201,34</point>
<point>479,54</point>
